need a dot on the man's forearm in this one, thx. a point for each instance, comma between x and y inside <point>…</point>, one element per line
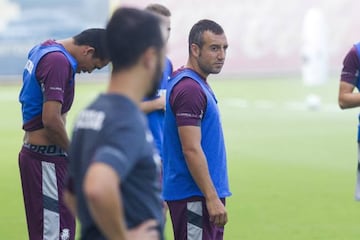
<point>104,201</point>
<point>54,124</point>
<point>199,170</point>
<point>57,134</point>
<point>349,100</point>
<point>146,106</point>
<point>70,202</point>
<point>107,217</point>
<point>347,97</point>
<point>153,105</point>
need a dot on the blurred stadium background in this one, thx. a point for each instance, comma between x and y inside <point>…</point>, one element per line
<point>265,36</point>
<point>292,168</point>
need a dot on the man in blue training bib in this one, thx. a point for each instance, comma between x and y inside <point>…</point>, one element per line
<point>195,170</point>
<point>350,79</point>
<point>155,107</point>
<point>46,97</point>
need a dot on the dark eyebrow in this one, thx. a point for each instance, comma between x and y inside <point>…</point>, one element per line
<point>219,45</point>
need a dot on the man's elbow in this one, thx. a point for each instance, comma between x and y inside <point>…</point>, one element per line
<point>343,104</point>
<point>92,192</point>
<point>191,152</point>
<point>52,124</point>
<point>100,182</point>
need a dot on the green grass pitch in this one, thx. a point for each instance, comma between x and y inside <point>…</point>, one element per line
<point>292,170</point>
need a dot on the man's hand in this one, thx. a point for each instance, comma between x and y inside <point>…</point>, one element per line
<point>160,102</point>
<point>146,231</point>
<point>217,212</point>
<point>190,137</point>
<point>153,105</point>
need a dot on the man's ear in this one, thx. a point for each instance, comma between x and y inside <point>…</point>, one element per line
<point>88,50</point>
<point>195,50</point>
<point>149,58</point>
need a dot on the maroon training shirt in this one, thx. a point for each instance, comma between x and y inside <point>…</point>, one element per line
<point>188,102</point>
<point>54,72</point>
<point>351,66</point>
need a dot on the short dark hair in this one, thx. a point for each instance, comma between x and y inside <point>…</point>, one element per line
<point>197,31</point>
<point>129,33</point>
<point>96,38</point>
<point>159,9</point>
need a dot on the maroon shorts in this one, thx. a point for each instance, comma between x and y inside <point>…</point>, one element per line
<point>42,179</point>
<point>191,221</point>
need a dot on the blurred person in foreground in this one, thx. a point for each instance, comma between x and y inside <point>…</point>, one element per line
<point>195,169</point>
<point>349,97</point>
<point>46,96</point>
<point>155,107</point>
<point>113,185</point>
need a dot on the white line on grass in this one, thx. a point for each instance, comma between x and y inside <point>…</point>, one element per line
<point>287,105</point>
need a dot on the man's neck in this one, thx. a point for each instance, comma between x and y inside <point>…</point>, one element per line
<point>68,44</point>
<point>126,83</point>
<point>195,67</point>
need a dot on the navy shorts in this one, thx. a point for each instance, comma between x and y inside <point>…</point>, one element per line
<point>191,221</point>
<point>43,171</point>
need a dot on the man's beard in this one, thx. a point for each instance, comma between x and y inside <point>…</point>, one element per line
<point>156,80</point>
<point>206,68</point>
